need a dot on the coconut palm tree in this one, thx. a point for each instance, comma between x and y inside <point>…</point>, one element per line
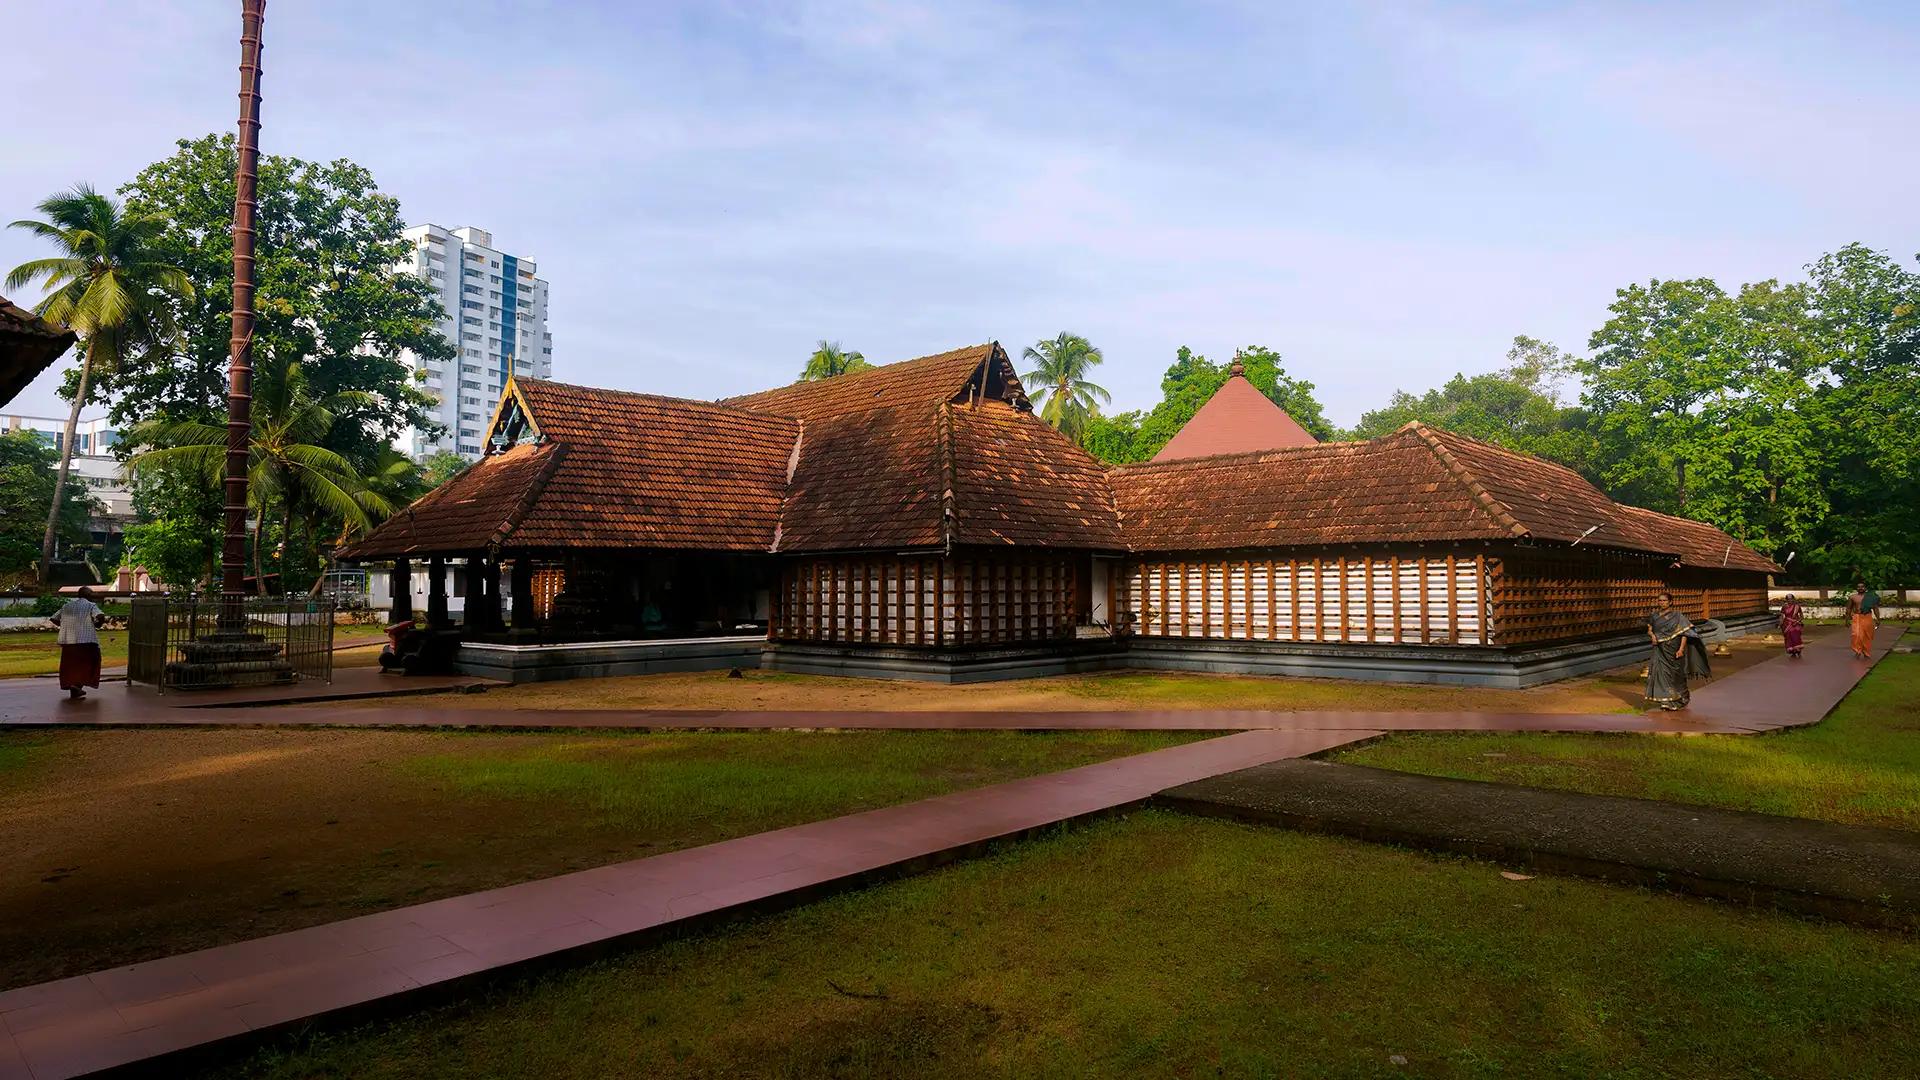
<point>1059,376</point>
<point>287,470</point>
<point>109,285</point>
<point>829,360</point>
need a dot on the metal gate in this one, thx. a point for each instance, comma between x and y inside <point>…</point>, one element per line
<point>175,641</point>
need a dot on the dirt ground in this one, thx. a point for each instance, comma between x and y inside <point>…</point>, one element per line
<point>1614,691</point>
<point>120,846</point>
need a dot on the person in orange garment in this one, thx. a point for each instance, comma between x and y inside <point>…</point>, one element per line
<point>1863,611</point>
<point>79,622</point>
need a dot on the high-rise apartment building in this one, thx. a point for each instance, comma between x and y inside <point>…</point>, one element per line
<point>496,322</point>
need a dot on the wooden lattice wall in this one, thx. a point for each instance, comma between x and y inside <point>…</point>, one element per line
<point>1413,598</point>
<point>1540,596</point>
<point>927,600</point>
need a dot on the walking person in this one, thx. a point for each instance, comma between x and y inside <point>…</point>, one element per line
<point>1792,625</point>
<point>79,622</point>
<point>1863,611</point>
<point>1677,653</point>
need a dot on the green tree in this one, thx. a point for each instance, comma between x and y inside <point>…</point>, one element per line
<point>1059,376</point>
<point>829,360</point>
<point>27,481</point>
<point>1652,365</point>
<point>1517,407</point>
<point>440,467</point>
<point>330,297</point>
<point>109,284</point>
<point>291,478</point>
<point>1863,313</point>
<point>173,550</point>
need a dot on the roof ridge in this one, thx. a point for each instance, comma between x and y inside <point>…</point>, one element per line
<point>840,382</point>
<point>643,395</point>
<point>1459,471</point>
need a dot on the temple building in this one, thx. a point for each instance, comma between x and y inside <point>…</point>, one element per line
<point>917,520</point>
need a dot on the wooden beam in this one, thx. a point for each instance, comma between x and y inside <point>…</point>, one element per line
<point>1273,607</point>
<point>940,602</point>
<point>1184,605</point>
<point>1480,590</point>
<point>1293,601</point>
<point>1206,599</point>
<point>1319,602</point>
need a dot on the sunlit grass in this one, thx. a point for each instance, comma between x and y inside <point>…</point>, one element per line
<point>1860,766</point>
<point>691,786</point>
<point>1164,945</point>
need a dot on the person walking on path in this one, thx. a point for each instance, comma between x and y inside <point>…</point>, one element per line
<point>1677,653</point>
<point>1792,625</point>
<point>1863,610</point>
<point>79,622</point>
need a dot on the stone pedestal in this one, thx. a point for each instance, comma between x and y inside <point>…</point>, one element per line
<point>221,661</point>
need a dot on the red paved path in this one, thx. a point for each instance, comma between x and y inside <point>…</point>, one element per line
<point>135,1013</point>
<point>128,1014</point>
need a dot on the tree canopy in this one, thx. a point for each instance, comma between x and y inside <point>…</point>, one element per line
<point>1067,399</point>
<point>829,360</point>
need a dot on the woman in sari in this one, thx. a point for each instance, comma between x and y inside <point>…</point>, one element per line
<point>1677,653</point>
<point>1862,609</point>
<point>1792,625</point>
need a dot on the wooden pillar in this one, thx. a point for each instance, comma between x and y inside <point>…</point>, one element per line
<point>437,592</point>
<point>401,586</point>
<point>1366,567</point>
<point>522,585</point>
<point>1481,590</point>
<point>1293,601</point>
<point>1342,566</point>
<point>1453,602</point>
<point>940,602</point>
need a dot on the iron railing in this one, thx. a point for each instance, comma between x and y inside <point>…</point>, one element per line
<point>177,641</point>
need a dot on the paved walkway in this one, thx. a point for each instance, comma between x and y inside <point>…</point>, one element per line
<point>197,1001</point>
<point>38,701</point>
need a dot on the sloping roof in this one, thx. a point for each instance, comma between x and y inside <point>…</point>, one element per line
<point>928,381</point>
<point>1016,480</point>
<point>866,480</point>
<point>640,471</point>
<point>477,508</point>
<point>28,344</point>
<point>1391,488</point>
<point>1237,419</point>
<point>1417,484</point>
<point>1698,543</point>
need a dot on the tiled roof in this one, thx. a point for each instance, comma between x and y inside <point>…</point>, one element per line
<point>866,480</point>
<point>1391,488</point>
<point>1698,543</point>
<point>648,471</point>
<point>1237,419</point>
<point>928,381</point>
<point>1018,481</point>
<point>903,458</point>
<point>28,344</point>
<point>478,508</point>
<point>1417,484</point>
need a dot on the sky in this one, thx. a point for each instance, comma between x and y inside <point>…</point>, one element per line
<point>1384,193</point>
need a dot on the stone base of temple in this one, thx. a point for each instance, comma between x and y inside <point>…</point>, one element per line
<point>945,665</point>
<point>1431,665</point>
<point>223,661</point>
<point>524,663</point>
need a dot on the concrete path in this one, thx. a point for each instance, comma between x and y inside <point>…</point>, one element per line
<point>1849,872</point>
<point>197,1001</point>
<point>1771,695</point>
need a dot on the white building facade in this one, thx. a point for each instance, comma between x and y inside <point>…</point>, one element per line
<point>94,466</point>
<point>496,321</point>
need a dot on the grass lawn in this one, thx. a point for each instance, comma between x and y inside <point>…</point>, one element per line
<point>119,846</point>
<point>1611,692</point>
<point>1860,766</point>
<point>1166,945</point>
<point>37,652</point>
